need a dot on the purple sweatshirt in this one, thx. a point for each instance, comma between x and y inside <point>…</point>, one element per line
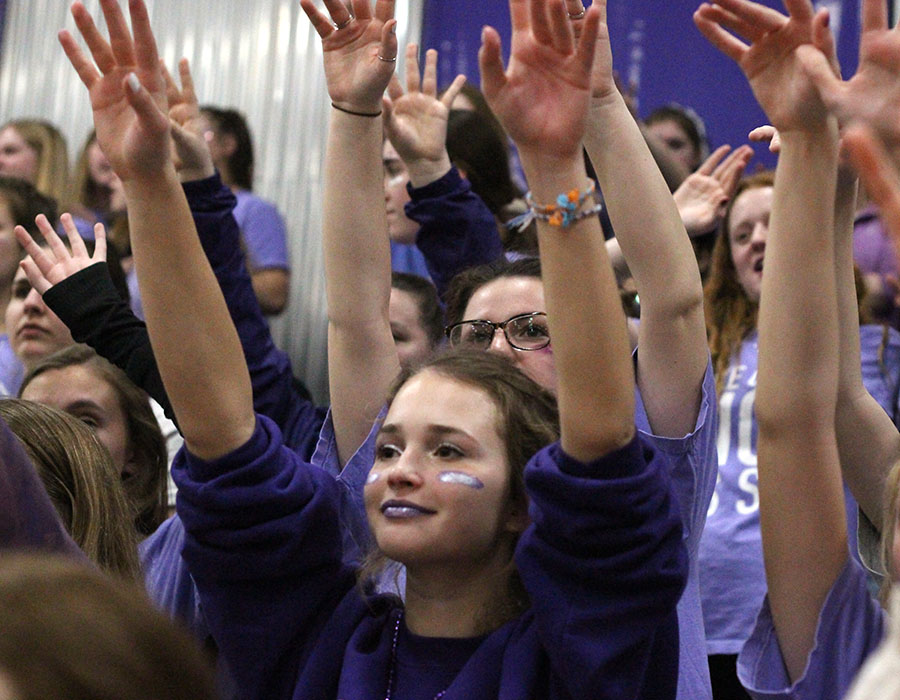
<point>603,563</point>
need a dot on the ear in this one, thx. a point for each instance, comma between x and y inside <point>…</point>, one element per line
<point>229,144</point>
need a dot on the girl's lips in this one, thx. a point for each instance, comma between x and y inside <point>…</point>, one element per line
<point>403,509</point>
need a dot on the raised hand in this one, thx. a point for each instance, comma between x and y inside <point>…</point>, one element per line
<point>873,94</point>
<point>193,160</point>
<point>542,97</point>
<point>703,196</point>
<point>46,267</point>
<point>126,88</point>
<point>416,121</point>
<point>773,60</point>
<point>360,51</point>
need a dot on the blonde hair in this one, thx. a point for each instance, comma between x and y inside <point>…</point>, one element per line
<point>52,177</point>
<point>730,313</point>
<point>84,485</point>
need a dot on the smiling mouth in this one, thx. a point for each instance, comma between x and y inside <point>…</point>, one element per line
<point>403,510</point>
<point>758,265</point>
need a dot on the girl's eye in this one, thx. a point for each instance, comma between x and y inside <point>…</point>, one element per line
<point>387,451</point>
<point>89,421</point>
<point>447,451</point>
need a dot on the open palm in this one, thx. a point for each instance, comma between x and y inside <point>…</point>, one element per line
<point>772,61</point>
<point>132,127</point>
<point>355,48</point>
<point>542,97</point>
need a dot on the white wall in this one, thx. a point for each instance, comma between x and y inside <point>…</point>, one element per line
<point>260,56</point>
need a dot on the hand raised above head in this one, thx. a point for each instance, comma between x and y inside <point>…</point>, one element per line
<point>416,120</point>
<point>703,196</point>
<point>360,51</point>
<point>542,97</point>
<point>873,94</point>
<point>46,267</point>
<point>126,88</point>
<point>772,60</point>
<point>193,160</point>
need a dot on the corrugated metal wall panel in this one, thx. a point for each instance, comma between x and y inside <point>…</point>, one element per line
<point>261,57</point>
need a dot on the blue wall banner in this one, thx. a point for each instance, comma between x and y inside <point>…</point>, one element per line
<point>655,45</point>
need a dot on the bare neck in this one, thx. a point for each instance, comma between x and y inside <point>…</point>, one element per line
<point>453,600</point>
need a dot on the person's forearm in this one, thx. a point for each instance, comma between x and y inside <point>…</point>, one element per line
<point>195,343</point>
<point>868,442</point>
<point>590,344</point>
<point>362,357</point>
<point>648,226</point>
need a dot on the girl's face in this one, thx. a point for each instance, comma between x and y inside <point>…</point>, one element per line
<point>748,227</point>
<point>503,298</point>
<point>438,492</point>
<point>406,326</point>
<point>83,393</point>
<point>17,158</point>
<point>400,229</point>
<point>34,330</point>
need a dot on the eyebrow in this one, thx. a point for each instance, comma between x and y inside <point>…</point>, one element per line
<point>434,429</point>
<point>83,403</point>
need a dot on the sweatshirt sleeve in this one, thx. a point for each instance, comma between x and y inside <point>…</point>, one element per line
<point>457,228</point>
<point>263,544</point>
<point>604,564</point>
<point>274,393</point>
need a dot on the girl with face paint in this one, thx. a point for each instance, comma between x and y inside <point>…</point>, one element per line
<point>281,519</point>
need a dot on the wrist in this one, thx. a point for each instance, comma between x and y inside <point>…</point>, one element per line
<point>358,109</point>
<point>423,171</point>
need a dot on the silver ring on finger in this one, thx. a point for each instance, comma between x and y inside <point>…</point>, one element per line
<point>346,23</point>
<point>387,60</point>
<point>577,15</point>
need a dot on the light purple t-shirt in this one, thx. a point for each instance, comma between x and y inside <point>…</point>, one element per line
<point>693,466</point>
<point>851,625</point>
<point>732,579</point>
<point>732,574</point>
<point>11,370</point>
<point>263,232</point>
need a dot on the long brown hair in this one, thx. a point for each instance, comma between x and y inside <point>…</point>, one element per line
<point>730,314</point>
<point>528,420</point>
<point>83,483</point>
<point>71,632</point>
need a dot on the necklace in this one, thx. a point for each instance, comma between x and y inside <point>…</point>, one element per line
<point>393,666</point>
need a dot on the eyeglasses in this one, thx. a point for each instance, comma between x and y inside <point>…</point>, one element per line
<point>523,332</point>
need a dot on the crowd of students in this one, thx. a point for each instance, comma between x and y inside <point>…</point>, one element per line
<point>630,434</point>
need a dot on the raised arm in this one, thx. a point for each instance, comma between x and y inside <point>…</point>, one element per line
<point>868,442</point>
<point>359,53</point>
<point>542,101</point>
<point>801,495</point>
<point>208,386</point>
<point>672,348</point>
<point>457,228</point>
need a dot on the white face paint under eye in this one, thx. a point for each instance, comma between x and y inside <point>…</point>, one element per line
<point>373,477</point>
<point>461,478</point>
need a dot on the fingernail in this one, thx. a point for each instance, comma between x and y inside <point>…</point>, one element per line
<point>827,19</point>
<point>133,82</point>
<point>483,32</point>
<point>394,28</point>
